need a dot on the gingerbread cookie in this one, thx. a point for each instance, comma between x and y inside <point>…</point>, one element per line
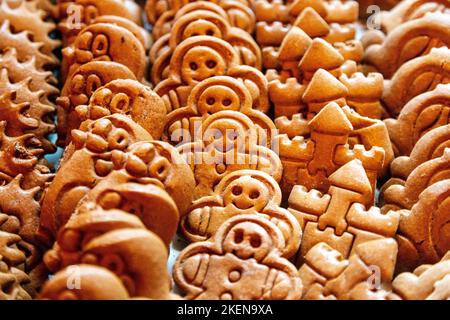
<point>194,60</point>
<point>75,15</point>
<point>242,192</point>
<point>203,22</point>
<point>13,281</point>
<point>213,95</point>
<point>23,18</point>
<point>406,193</point>
<point>408,10</point>
<point>243,257</point>
<point>427,282</point>
<point>29,72</point>
<point>227,142</point>
<point>430,146</point>
<point>31,113</point>
<point>310,162</point>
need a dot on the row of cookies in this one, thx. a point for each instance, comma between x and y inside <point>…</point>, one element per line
<point>116,199</point>
<point>27,100</point>
<point>217,103</point>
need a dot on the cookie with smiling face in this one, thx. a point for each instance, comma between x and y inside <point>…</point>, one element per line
<point>241,262</point>
<point>242,192</point>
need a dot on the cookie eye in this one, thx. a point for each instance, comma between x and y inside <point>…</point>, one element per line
<point>160,168</point>
<point>237,190</point>
<point>254,194</point>
<point>211,64</point>
<point>255,241</point>
<point>100,45</point>
<point>238,236</point>
<point>92,83</point>
<point>120,103</point>
<point>193,66</point>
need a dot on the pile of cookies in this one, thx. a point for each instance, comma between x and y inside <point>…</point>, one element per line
<point>301,152</point>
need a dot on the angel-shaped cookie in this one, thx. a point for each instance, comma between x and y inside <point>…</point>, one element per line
<point>242,262</point>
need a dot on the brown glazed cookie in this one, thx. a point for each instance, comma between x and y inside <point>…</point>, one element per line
<point>420,115</point>
<point>139,32</point>
<point>23,18</point>
<point>25,48</point>
<point>427,282</point>
<point>343,217</point>
<point>404,194</point>
<point>19,70</point>
<point>227,142</point>
<point>415,77</point>
<point>26,109</point>
<point>87,11</point>
<point>408,41</point>
<point>92,283</point>
<point>128,97</point>
<point>105,42</point>
<point>430,146</point>
<point>86,161</point>
<point>13,281</point>
<point>217,94</point>
<point>423,234</point>
<point>333,142</point>
<point>195,59</point>
<point>409,10</point>
<point>242,192</point>
<point>364,93</point>
<point>22,155</point>
<point>203,22</point>
<point>117,241</point>
<point>329,275</point>
<point>149,180</point>
<point>19,215</point>
<point>242,262</point>
<point>162,14</point>
<point>79,88</point>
